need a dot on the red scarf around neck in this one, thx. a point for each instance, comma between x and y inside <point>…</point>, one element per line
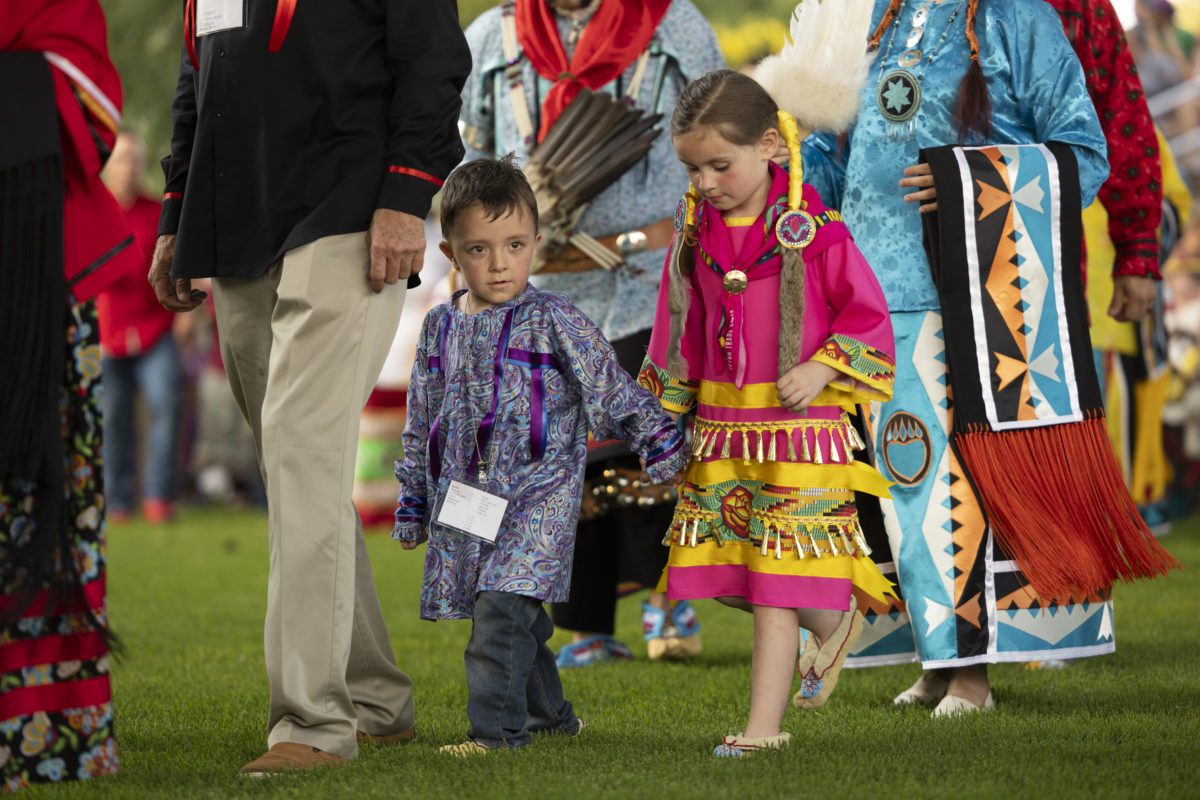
<point>615,36</point>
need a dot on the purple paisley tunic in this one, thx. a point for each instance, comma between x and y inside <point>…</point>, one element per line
<point>527,379</point>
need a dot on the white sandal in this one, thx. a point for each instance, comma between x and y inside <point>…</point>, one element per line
<point>952,705</point>
<point>740,745</point>
<point>929,690</point>
<point>465,749</point>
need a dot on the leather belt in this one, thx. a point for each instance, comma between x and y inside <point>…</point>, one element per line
<point>654,236</point>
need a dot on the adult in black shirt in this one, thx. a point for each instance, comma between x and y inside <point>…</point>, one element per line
<point>309,139</point>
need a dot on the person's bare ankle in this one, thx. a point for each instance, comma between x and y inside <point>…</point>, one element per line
<point>826,626</point>
<point>970,684</point>
<point>761,732</point>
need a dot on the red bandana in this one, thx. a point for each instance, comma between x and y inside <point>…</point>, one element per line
<point>616,35</point>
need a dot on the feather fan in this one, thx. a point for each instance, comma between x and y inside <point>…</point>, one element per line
<point>595,141</point>
<point>818,76</point>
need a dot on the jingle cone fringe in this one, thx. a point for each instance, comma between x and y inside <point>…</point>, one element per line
<point>1058,505</point>
<point>765,442</point>
<point>818,538</point>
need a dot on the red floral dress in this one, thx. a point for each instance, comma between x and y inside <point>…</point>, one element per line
<point>56,720</point>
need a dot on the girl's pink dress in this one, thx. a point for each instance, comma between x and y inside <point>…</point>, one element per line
<point>766,511</point>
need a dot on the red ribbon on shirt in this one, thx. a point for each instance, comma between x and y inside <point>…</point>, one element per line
<point>285,10</point>
<point>189,32</point>
<point>615,36</point>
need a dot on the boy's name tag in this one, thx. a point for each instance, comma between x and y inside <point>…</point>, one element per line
<point>471,510</point>
<point>213,16</point>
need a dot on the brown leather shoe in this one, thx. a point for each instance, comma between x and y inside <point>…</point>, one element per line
<point>403,737</point>
<point>290,757</point>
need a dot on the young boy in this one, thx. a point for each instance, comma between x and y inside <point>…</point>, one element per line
<point>507,383</point>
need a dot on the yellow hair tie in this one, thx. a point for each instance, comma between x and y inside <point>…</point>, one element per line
<point>685,215</point>
<point>795,228</point>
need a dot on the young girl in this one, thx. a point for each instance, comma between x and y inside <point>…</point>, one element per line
<point>770,329</point>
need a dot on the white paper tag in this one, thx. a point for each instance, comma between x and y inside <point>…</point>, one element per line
<point>472,511</point>
<point>219,15</point>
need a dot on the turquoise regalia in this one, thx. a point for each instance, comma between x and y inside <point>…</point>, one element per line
<point>965,602</point>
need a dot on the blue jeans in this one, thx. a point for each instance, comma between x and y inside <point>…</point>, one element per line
<point>157,373</point>
<point>513,689</point>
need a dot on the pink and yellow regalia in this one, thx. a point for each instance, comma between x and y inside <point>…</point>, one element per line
<point>766,510</point>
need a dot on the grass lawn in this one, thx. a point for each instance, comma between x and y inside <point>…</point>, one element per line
<point>191,700</point>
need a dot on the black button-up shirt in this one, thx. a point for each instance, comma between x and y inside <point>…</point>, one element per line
<point>357,110</point>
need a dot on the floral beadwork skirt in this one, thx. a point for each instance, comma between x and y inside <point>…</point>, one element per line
<point>775,532</point>
<point>56,720</point>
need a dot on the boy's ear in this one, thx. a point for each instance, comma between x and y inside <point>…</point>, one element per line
<point>448,253</point>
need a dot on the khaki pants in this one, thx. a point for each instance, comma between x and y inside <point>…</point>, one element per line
<point>303,346</point>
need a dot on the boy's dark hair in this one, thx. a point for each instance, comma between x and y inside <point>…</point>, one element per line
<point>497,184</point>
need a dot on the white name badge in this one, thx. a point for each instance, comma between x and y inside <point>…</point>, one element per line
<point>213,16</point>
<point>471,510</point>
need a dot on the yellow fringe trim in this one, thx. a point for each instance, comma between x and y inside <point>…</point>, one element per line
<point>818,537</point>
<point>759,441</point>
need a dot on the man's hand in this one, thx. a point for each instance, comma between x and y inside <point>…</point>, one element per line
<point>176,295</point>
<point>1133,297</point>
<point>407,545</point>
<point>397,242</point>
<point>800,385</point>
<point>920,176</point>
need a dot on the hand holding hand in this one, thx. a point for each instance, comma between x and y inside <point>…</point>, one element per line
<point>920,176</point>
<point>1133,297</point>
<point>397,246</point>
<point>800,385</point>
<point>177,295</point>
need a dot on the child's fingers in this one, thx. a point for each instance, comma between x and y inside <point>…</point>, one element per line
<point>789,395</point>
<point>798,401</point>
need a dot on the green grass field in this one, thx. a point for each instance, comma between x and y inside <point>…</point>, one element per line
<point>191,701</point>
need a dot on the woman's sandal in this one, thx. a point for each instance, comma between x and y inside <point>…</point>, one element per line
<point>740,745</point>
<point>928,691</point>
<point>819,667</point>
<point>952,706</point>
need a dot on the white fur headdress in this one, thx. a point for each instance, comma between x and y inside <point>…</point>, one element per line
<point>818,76</point>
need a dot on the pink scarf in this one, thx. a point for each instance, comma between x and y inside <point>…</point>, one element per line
<point>758,257</point>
